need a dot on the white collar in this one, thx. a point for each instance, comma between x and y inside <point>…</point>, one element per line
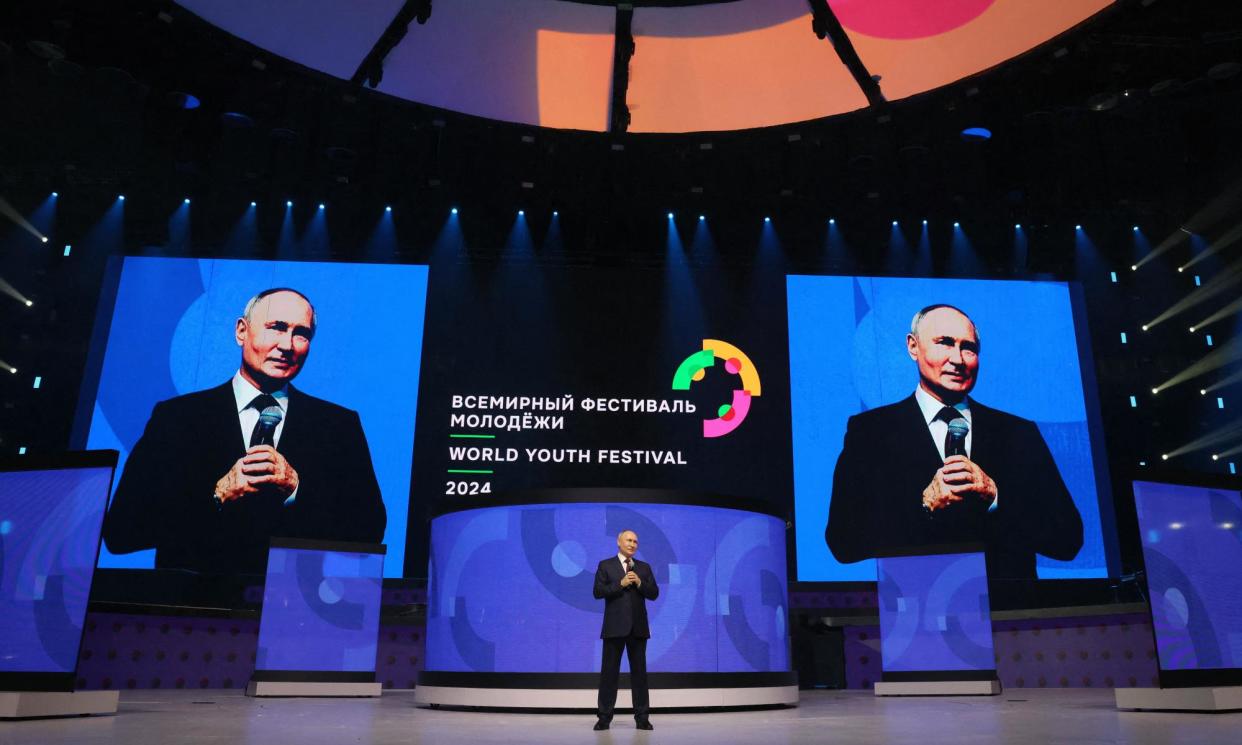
<point>623,557</point>
<point>244,392</point>
<point>931,407</point>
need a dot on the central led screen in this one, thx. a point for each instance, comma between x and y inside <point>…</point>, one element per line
<point>511,588</point>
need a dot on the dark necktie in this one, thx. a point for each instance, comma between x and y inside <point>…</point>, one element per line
<point>629,564</point>
<point>953,445</point>
<point>262,434</point>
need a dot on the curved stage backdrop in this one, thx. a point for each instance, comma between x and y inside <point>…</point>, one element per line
<point>510,588</point>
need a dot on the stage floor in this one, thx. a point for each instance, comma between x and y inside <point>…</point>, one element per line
<point>837,717</point>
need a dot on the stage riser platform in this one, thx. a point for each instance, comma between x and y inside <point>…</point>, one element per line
<point>585,698</point>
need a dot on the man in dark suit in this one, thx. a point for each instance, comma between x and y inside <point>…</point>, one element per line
<point>941,468</point>
<point>625,584</point>
<point>218,473</point>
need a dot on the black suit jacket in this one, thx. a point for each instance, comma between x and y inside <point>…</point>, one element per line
<point>165,497</point>
<point>625,608</point>
<point>889,458</point>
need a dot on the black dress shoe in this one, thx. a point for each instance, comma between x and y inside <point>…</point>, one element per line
<point>643,724</point>
<point>600,726</point>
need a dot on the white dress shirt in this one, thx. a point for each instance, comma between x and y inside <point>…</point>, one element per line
<point>248,416</point>
<point>938,427</point>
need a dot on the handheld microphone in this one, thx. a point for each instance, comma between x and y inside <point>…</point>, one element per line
<point>955,440</point>
<point>265,430</point>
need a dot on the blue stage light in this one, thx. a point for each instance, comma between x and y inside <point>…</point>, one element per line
<point>521,213</point>
<point>767,219</point>
<point>252,204</point>
<point>120,197</point>
<point>976,133</point>
<point>1077,227</point>
<point>186,200</point>
<point>555,213</point>
<point>67,249</point>
<point>289,203</point>
<point>454,210</point>
<point>957,225</point>
<point>1135,228</point>
<point>321,205</point>
<point>924,222</point>
<point>1017,226</point>
<point>388,209</point>
<point>21,450</point>
<point>702,217</point>
<point>832,221</point>
<point>55,194</point>
<point>38,381</point>
<point>670,215</point>
<point>1113,276</point>
<point>894,223</point>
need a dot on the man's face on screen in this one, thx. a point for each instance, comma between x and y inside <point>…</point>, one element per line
<point>275,340</point>
<point>947,352</point>
<point>628,543</point>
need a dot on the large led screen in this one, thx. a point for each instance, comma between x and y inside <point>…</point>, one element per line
<point>867,448</point>
<point>338,346</point>
<point>1192,548</point>
<point>934,613</point>
<point>49,537</point>
<point>511,588</point>
<point>321,609</point>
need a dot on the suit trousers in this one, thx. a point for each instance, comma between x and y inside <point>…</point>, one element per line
<point>610,671</point>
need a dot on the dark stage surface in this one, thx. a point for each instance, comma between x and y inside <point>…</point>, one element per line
<point>1024,716</point>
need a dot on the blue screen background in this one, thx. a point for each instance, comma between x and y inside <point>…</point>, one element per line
<point>510,588</point>
<point>49,532</point>
<point>321,611</point>
<point>847,354</point>
<point>172,333</point>
<point>1192,548</point>
<point>934,613</point>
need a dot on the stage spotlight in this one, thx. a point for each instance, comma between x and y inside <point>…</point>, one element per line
<point>120,197</point>
<point>1192,329</point>
<point>1166,457</point>
<point>43,239</point>
<point>1203,391</point>
<point>12,370</point>
<point>832,221</point>
<point>555,213</point>
<point>702,218</point>
<point>321,205</point>
<point>252,204</point>
<point>186,201</point>
<point>670,215</point>
<point>1017,226</point>
<point>957,224</point>
<point>289,203</point>
<point>55,194</point>
<point>388,209</point>
<point>894,223</point>
<point>454,210</point>
<point>924,222</point>
<point>1134,267</point>
<point>767,219</point>
<point>1215,457</point>
<point>521,213</point>
<point>1155,390</point>
<point>1144,328</point>
<point>1077,227</point>
<point>29,303</point>
<point>1135,228</point>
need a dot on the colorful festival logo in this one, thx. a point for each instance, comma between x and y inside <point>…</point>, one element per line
<point>694,367</point>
